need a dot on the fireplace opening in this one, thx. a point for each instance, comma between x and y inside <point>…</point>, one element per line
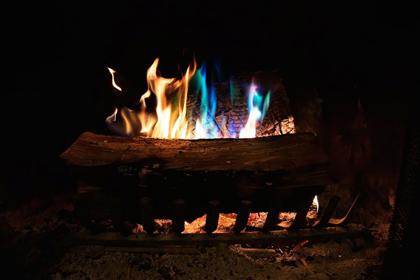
<point>244,157</point>
<point>332,89</point>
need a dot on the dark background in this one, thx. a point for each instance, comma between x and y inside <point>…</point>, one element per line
<point>55,84</point>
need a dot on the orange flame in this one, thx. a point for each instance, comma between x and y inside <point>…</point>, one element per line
<point>113,79</point>
<point>170,121</point>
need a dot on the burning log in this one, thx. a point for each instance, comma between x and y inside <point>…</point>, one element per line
<point>296,153</point>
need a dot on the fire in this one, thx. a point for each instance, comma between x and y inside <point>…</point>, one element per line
<point>255,103</point>
<point>205,126</point>
<point>315,202</point>
<point>112,71</point>
<point>168,119</point>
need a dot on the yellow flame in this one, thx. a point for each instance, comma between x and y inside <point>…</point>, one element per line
<point>112,71</point>
<point>170,122</point>
<point>315,201</point>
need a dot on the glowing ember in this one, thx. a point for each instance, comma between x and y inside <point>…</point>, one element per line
<point>169,117</point>
<point>225,224</point>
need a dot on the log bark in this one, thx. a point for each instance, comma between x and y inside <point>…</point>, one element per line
<point>265,154</point>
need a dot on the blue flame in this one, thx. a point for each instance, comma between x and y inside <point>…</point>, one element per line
<point>266,104</point>
<point>207,105</point>
<point>206,126</point>
<point>259,102</point>
<point>233,92</point>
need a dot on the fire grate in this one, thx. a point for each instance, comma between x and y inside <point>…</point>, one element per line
<point>184,179</point>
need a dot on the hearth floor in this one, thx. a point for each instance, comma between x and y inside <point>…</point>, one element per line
<point>28,233</point>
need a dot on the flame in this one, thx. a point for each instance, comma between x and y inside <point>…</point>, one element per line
<point>127,124</point>
<point>205,126</point>
<point>315,201</point>
<point>170,121</point>
<point>257,106</point>
<point>112,118</point>
<point>167,118</point>
<point>129,121</point>
<point>112,71</point>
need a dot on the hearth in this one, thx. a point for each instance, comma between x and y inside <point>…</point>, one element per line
<point>347,71</point>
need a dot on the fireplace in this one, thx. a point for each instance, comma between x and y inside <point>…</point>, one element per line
<point>346,82</point>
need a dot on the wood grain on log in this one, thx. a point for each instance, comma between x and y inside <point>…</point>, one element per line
<point>284,152</point>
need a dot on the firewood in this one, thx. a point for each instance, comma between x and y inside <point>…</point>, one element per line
<point>295,153</point>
